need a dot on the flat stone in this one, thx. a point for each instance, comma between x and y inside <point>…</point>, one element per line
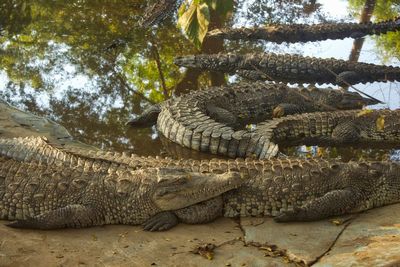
<point>119,245</point>
<point>372,239</point>
<point>300,242</point>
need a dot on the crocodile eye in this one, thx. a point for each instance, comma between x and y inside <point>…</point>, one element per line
<point>162,192</point>
<point>181,180</point>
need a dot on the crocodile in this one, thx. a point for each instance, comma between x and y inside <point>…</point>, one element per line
<point>343,127</point>
<point>125,192</point>
<point>380,127</point>
<point>291,68</point>
<point>158,11</point>
<point>44,196</point>
<point>211,120</point>
<point>239,104</point>
<point>360,128</point>
<point>346,126</point>
<point>292,33</point>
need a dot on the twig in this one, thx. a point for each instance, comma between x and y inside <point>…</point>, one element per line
<point>125,84</point>
<point>158,62</point>
<point>351,86</point>
<point>262,72</point>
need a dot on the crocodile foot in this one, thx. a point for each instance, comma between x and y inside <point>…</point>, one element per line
<point>335,202</point>
<point>298,214</point>
<point>28,223</point>
<point>160,222</point>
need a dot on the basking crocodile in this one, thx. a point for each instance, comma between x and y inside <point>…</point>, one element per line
<point>291,68</point>
<point>292,33</point>
<point>207,120</point>
<point>239,104</point>
<point>48,197</point>
<point>335,127</point>
<point>37,194</point>
<point>380,127</point>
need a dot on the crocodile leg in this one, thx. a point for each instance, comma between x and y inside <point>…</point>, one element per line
<point>285,109</point>
<point>346,132</point>
<point>202,212</point>
<point>75,216</point>
<point>333,203</point>
<point>161,221</point>
<point>221,115</point>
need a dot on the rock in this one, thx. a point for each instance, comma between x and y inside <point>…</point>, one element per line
<point>373,239</point>
<point>300,242</point>
<point>119,245</point>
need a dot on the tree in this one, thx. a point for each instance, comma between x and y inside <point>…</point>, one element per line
<point>387,45</point>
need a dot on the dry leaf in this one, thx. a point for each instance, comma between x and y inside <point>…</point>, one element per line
<point>209,255</point>
<point>206,251</point>
<point>272,251</point>
<point>321,151</point>
<point>364,112</point>
<point>337,222</point>
<point>380,123</point>
<point>278,112</point>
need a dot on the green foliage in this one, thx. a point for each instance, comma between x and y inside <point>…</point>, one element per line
<point>387,45</point>
<point>222,7</point>
<point>194,21</point>
<point>194,18</point>
<point>384,9</point>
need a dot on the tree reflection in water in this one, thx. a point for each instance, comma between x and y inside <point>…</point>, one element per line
<point>87,65</point>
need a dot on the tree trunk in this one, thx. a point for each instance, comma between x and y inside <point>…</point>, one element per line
<point>365,17</point>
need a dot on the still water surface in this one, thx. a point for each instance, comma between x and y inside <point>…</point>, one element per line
<point>88,66</point>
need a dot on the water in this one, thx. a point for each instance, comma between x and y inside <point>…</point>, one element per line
<point>89,67</point>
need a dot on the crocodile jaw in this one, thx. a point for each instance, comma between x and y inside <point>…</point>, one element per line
<point>189,188</point>
<point>354,100</point>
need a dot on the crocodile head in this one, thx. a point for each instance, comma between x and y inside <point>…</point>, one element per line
<point>177,188</point>
<point>203,61</point>
<point>350,100</point>
<point>344,99</point>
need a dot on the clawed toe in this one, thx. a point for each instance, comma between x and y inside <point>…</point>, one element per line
<point>288,216</point>
<point>28,223</point>
<point>160,222</point>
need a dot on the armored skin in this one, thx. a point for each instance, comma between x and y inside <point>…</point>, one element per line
<point>116,188</point>
<point>292,33</point>
<point>239,104</point>
<point>158,11</point>
<point>44,196</point>
<point>291,68</point>
<point>214,120</point>
<point>380,127</point>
